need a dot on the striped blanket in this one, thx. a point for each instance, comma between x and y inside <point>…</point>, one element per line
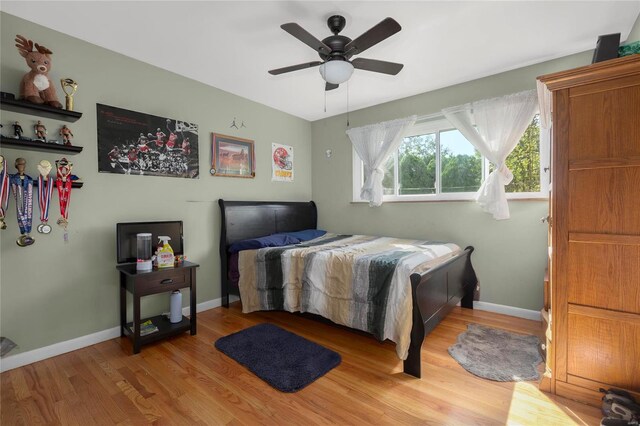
<point>358,281</point>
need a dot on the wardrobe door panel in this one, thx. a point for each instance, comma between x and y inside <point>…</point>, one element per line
<point>604,347</point>
<point>617,134</point>
<point>605,201</point>
<point>604,275</point>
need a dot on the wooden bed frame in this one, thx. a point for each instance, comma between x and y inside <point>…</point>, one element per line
<point>434,292</point>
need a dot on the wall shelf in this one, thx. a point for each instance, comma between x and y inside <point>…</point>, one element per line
<point>41,110</point>
<point>38,145</point>
<point>74,184</point>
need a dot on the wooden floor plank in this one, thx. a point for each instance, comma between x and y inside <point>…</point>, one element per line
<point>59,379</point>
<point>40,390</point>
<point>65,413</point>
<point>19,383</point>
<point>185,380</point>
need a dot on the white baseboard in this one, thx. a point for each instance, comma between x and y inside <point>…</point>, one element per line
<point>507,310</point>
<point>209,304</point>
<point>24,358</point>
<point>18,360</point>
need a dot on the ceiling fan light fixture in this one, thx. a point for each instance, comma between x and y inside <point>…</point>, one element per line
<point>336,71</point>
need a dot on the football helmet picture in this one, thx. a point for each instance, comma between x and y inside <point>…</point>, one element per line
<point>281,159</point>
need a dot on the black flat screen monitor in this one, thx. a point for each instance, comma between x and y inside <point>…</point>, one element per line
<point>606,48</point>
<point>126,237</point>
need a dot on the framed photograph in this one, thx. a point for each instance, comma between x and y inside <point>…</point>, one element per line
<point>135,143</point>
<point>231,156</point>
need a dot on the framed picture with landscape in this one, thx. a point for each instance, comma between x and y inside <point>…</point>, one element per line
<point>232,156</point>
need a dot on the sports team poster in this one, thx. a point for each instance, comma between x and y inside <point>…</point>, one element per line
<point>134,143</point>
<point>282,163</point>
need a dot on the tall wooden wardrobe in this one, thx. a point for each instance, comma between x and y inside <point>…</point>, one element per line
<point>594,231</point>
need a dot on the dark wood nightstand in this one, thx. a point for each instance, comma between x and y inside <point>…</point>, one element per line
<point>141,284</point>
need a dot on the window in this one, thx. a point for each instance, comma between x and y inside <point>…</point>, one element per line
<point>436,162</point>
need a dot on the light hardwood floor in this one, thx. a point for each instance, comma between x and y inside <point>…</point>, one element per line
<point>185,380</point>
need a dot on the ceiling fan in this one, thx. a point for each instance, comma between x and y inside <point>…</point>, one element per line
<point>336,50</point>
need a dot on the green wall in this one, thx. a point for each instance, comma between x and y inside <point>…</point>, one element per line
<point>55,291</point>
<point>510,255</point>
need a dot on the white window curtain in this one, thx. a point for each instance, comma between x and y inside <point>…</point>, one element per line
<point>544,102</point>
<point>374,144</point>
<point>494,127</point>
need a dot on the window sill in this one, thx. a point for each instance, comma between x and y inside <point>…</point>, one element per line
<point>422,199</point>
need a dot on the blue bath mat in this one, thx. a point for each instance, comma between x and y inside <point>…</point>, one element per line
<point>283,359</point>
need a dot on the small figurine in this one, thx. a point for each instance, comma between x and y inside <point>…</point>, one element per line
<point>20,165</point>
<point>41,131</point>
<point>17,130</point>
<point>66,134</point>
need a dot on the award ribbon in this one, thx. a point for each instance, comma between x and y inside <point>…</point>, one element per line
<point>64,196</point>
<point>4,193</point>
<point>44,199</point>
<point>23,194</point>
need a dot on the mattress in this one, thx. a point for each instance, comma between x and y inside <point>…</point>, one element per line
<point>358,281</point>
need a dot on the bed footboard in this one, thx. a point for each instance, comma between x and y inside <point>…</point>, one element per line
<point>434,295</point>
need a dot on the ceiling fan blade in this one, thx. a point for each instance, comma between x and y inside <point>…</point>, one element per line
<point>295,68</point>
<point>330,86</point>
<point>304,36</point>
<point>375,35</point>
<point>374,65</point>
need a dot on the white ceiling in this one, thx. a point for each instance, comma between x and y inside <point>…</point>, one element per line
<point>231,45</point>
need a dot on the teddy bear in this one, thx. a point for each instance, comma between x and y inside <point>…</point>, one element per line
<point>36,85</point>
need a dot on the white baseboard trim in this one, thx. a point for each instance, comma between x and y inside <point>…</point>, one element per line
<point>209,304</point>
<point>507,310</point>
<point>24,358</point>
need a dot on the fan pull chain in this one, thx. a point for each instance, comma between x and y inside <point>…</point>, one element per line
<point>325,101</point>
<point>347,103</point>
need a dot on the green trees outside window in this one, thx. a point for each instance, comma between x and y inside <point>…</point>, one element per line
<point>461,167</point>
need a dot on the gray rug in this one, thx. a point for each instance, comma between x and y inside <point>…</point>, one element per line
<point>497,354</point>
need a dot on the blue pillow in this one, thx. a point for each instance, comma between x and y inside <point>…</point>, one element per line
<point>306,235</point>
<point>274,240</point>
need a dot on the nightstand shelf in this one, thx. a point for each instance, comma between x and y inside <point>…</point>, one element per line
<point>165,328</point>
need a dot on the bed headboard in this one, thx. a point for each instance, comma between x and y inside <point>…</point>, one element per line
<point>240,220</point>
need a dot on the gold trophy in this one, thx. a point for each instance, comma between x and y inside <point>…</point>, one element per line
<point>70,84</point>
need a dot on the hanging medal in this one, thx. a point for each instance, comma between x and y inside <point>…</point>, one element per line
<point>4,191</point>
<point>45,188</point>
<point>22,187</point>
<point>63,183</point>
